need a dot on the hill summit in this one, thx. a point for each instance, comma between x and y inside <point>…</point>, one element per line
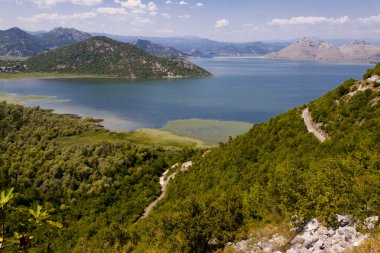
<point>310,49</point>
<point>104,56</point>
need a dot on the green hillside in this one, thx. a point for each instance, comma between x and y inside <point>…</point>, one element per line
<point>104,56</point>
<point>98,189</point>
<point>274,171</point>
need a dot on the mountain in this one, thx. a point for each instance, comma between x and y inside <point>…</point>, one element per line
<point>309,49</point>
<point>62,36</point>
<point>158,50</point>
<point>17,43</point>
<point>208,47</point>
<point>104,56</point>
<point>361,51</point>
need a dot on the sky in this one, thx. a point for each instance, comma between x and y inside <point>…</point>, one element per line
<point>223,20</point>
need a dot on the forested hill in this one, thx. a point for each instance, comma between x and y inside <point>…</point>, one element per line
<point>104,56</point>
<point>276,170</point>
<point>99,189</point>
<point>96,189</point>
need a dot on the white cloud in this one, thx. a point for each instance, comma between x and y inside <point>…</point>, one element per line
<point>137,7</point>
<point>52,3</point>
<point>57,17</point>
<point>222,23</point>
<point>183,3</point>
<point>168,2</point>
<point>165,15</point>
<point>47,3</point>
<point>370,20</point>
<point>184,16</point>
<point>200,4</point>
<point>309,21</point>
<point>112,11</point>
<point>87,2</point>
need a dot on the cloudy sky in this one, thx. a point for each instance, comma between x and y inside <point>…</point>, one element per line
<point>225,20</point>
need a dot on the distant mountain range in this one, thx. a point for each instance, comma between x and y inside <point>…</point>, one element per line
<point>106,57</point>
<point>15,42</point>
<point>158,50</point>
<point>200,47</point>
<point>310,49</point>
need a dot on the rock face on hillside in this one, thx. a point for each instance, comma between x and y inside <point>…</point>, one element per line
<point>312,236</point>
<point>308,49</point>
<point>62,36</point>
<point>104,56</point>
<point>15,42</point>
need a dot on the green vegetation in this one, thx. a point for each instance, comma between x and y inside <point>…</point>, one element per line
<point>209,131</point>
<point>42,75</point>
<point>103,56</point>
<point>371,72</point>
<point>95,189</point>
<point>21,240</point>
<point>145,137</point>
<point>14,99</point>
<point>274,171</point>
<point>97,183</point>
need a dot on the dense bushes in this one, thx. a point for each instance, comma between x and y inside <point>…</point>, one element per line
<point>274,171</point>
<point>96,190</point>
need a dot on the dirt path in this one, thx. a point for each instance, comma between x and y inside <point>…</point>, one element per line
<point>164,183</point>
<point>321,136</point>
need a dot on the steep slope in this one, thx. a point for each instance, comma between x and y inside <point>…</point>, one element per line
<point>158,50</point>
<point>308,49</point>
<point>17,43</point>
<point>276,170</point>
<point>361,51</point>
<point>62,36</point>
<point>104,56</point>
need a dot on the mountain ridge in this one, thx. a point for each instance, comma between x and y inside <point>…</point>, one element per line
<point>311,49</point>
<point>104,56</point>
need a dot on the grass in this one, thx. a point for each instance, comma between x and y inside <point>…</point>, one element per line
<point>14,99</point>
<point>211,132</point>
<point>145,137</point>
<point>370,246</point>
<point>37,75</point>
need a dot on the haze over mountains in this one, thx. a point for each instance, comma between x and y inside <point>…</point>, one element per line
<point>15,42</point>
<point>309,49</point>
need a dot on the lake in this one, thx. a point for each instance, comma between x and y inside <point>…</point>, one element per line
<point>242,89</point>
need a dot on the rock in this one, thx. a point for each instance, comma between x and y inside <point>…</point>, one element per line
<point>373,78</point>
<point>312,225</point>
<point>370,222</point>
<point>185,166</point>
<point>297,240</point>
<point>313,238</point>
<point>344,220</point>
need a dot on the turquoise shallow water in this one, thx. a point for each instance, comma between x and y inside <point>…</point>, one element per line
<point>242,89</point>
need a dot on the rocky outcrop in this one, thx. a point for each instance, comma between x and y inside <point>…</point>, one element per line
<point>312,236</point>
<point>309,49</point>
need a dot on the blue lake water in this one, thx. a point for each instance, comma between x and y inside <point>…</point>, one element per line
<point>242,89</point>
